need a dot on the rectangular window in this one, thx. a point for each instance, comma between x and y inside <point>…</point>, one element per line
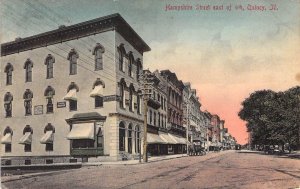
<point>73,64</point>
<point>83,143</point>
<point>27,148</point>
<point>49,70</point>
<point>49,161</point>
<point>98,60</point>
<point>98,101</point>
<point>9,78</point>
<point>27,107</point>
<point>72,105</point>
<point>8,109</point>
<point>27,162</point>
<point>28,77</point>
<point>7,148</point>
<point>49,147</point>
<point>49,105</point>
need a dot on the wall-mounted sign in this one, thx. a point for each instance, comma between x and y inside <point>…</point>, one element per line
<point>111,98</point>
<point>61,104</point>
<point>38,110</point>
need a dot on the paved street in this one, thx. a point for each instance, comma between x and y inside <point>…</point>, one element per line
<point>227,169</point>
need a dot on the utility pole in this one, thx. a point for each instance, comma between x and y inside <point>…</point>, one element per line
<point>147,84</point>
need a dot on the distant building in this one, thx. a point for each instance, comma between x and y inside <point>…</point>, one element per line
<point>175,111</point>
<point>72,94</point>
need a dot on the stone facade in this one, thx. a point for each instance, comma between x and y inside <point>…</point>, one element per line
<point>117,98</point>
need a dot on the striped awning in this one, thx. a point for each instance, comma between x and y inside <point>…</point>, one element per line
<point>81,131</point>
<point>97,91</point>
<point>6,139</point>
<point>26,138</point>
<point>154,139</point>
<point>166,138</point>
<point>178,139</point>
<point>71,95</point>
<point>47,137</point>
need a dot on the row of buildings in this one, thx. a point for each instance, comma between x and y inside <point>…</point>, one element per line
<point>76,94</point>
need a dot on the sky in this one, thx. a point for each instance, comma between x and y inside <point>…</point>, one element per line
<point>226,55</point>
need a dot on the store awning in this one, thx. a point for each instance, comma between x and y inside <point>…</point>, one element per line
<point>6,139</point>
<point>177,139</point>
<point>81,131</point>
<point>154,139</point>
<point>71,95</point>
<point>26,138</point>
<point>97,91</point>
<point>47,137</point>
<point>166,138</point>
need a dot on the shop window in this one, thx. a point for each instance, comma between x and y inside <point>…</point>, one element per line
<point>83,143</point>
<point>100,139</point>
<point>121,137</point>
<point>129,139</point>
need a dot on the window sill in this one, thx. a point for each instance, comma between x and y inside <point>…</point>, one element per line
<point>8,84</point>
<point>99,107</point>
<point>49,112</point>
<point>28,114</point>
<point>72,110</point>
<point>8,116</point>
<point>49,77</point>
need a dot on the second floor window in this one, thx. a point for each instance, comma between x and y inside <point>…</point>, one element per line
<point>73,56</point>
<point>8,70</point>
<point>28,70</point>
<point>49,92</point>
<point>28,102</point>
<point>8,104</point>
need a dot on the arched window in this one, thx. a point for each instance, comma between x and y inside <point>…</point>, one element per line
<point>121,54</point>
<point>138,103</point>
<point>8,98</point>
<point>49,61</point>
<point>48,137</point>
<point>131,98</point>
<point>98,52</point>
<point>27,96</point>
<point>8,70</point>
<point>129,138</point>
<point>137,139</point>
<point>122,136</point>
<point>7,138</point>
<point>130,63</point>
<point>49,92</point>
<point>150,116</point>
<point>72,57</point>
<point>97,92</point>
<point>122,93</point>
<point>71,96</point>
<point>100,138</point>
<point>158,119</point>
<point>28,70</point>
<point>26,139</point>
<point>138,68</point>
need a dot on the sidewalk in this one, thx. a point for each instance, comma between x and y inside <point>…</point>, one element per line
<point>134,162</point>
<point>128,162</point>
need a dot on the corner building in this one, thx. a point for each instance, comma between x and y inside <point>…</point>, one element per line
<point>72,94</point>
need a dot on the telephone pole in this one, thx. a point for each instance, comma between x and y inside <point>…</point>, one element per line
<point>147,83</point>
